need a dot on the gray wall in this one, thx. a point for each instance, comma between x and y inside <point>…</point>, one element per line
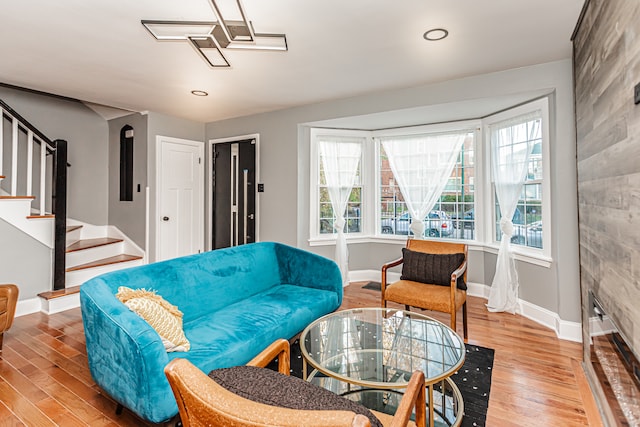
<point>129,216</point>
<point>24,261</point>
<point>87,137</point>
<point>284,166</point>
<point>163,125</point>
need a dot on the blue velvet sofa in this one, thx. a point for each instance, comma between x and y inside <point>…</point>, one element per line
<point>236,301</point>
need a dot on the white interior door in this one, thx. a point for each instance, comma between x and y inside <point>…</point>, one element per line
<point>180,198</point>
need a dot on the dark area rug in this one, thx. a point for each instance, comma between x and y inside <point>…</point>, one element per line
<point>473,380</point>
<point>373,286</point>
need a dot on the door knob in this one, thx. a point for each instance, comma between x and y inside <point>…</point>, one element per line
<point>165,218</point>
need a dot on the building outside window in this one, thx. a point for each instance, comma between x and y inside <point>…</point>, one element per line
<point>452,216</point>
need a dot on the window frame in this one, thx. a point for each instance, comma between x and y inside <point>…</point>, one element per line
<point>314,185</point>
<point>472,126</point>
<point>489,220</point>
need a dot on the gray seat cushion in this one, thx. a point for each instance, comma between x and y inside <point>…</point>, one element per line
<point>273,388</point>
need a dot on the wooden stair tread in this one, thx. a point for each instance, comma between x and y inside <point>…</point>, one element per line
<point>40,216</point>
<point>17,197</point>
<point>91,243</point>
<point>106,261</point>
<point>71,228</point>
<point>61,293</point>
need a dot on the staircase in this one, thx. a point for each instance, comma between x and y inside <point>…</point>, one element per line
<point>91,250</point>
<point>94,250</point>
<point>30,188</point>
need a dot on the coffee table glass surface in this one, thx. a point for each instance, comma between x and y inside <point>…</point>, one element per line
<point>369,354</point>
<point>380,348</point>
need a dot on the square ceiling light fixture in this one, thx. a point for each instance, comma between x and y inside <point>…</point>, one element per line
<point>209,38</point>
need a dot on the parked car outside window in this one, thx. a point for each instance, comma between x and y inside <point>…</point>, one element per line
<point>528,235</point>
<point>464,220</point>
<point>437,224</point>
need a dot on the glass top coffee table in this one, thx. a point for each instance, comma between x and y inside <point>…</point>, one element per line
<point>369,354</point>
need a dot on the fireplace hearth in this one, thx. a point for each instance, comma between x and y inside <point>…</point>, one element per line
<point>616,368</point>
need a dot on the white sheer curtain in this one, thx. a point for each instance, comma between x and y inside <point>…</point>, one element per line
<point>422,165</point>
<point>511,144</point>
<point>340,158</point>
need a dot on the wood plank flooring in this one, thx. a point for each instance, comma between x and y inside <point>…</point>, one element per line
<point>537,379</point>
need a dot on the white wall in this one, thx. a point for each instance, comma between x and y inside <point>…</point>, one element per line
<point>25,262</point>
<point>87,136</point>
<point>284,156</point>
<point>129,216</point>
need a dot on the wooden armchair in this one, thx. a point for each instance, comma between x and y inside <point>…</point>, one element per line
<point>8,302</point>
<point>204,402</point>
<point>414,290</point>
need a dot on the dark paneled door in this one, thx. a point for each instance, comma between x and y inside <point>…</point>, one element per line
<point>234,193</point>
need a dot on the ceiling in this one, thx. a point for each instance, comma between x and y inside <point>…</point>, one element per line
<point>98,51</point>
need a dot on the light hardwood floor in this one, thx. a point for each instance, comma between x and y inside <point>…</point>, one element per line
<point>537,379</point>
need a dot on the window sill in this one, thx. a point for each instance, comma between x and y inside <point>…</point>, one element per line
<point>523,255</point>
<point>530,257</point>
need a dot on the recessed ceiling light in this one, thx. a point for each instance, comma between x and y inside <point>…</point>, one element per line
<point>436,34</point>
<point>199,93</point>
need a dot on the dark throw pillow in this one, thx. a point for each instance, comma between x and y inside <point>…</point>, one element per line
<point>273,388</point>
<point>431,268</point>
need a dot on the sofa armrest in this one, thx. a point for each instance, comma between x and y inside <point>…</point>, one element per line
<point>125,354</point>
<point>303,268</point>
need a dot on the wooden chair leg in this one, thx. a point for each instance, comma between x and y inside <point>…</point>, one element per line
<point>453,319</point>
<point>464,321</point>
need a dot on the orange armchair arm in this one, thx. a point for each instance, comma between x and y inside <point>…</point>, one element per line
<point>279,349</point>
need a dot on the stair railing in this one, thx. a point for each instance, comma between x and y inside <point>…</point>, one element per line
<point>57,194</point>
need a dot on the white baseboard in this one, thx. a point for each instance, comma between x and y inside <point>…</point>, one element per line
<point>565,330</point>
<point>52,306</point>
<point>28,306</point>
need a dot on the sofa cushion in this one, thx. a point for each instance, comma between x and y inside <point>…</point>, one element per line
<point>163,316</point>
<point>234,335</point>
<point>211,278</point>
<point>429,268</point>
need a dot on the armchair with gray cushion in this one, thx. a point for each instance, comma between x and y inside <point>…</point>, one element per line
<point>252,396</point>
<point>434,277</point>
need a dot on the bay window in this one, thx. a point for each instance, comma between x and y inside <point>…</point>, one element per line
<point>463,205</point>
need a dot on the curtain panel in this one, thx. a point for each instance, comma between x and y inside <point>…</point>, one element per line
<point>511,144</point>
<point>422,165</point>
<point>340,157</point>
